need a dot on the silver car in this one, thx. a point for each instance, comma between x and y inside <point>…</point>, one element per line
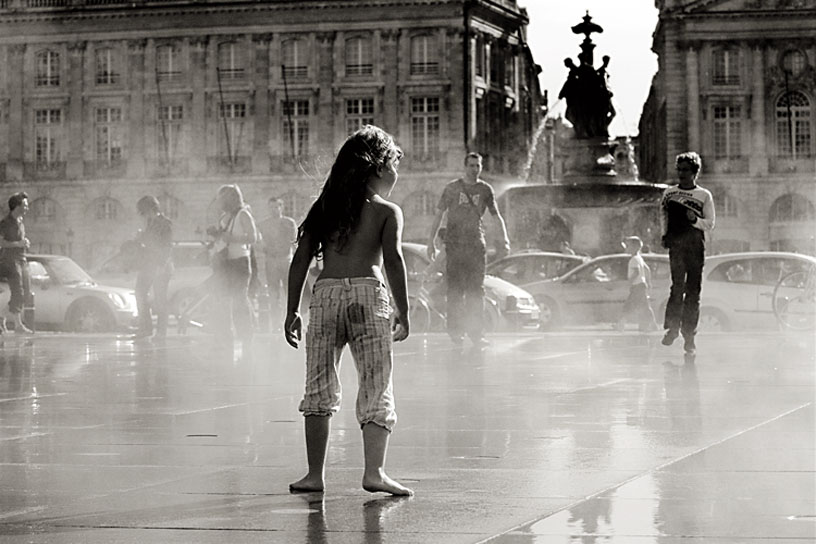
<point>66,298</point>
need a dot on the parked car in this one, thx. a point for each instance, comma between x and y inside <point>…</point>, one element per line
<point>738,288</point>
<point>66,298</point>
<point>595,291</point>
<point>191,266</point>
<point>507,306</point>
<point>528,266</point>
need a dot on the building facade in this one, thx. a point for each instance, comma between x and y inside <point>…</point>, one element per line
<point>103,101</point>
<point>737,83</point>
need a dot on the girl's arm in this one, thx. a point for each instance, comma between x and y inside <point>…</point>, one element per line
<point>297,277</point>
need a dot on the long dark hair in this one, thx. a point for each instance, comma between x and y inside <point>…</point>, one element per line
<point>335,213</point>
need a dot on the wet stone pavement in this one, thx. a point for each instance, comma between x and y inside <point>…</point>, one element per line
<point>543,438</point>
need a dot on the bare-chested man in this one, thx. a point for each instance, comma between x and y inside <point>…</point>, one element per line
<point>357,231</point>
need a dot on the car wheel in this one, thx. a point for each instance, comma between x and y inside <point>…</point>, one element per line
<point>419,314</point>
<point>712,320</point>
<point>549,315</point>
<point>89,316</point>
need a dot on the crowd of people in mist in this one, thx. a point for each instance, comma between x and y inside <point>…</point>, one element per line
<point>355,232</point>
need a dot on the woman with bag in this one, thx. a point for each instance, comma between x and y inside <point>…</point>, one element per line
<point>236,234</point>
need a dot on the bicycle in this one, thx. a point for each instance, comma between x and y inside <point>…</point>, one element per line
<point>794,300</point>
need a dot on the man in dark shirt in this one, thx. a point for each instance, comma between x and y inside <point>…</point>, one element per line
<point>465,201</point>
<point>13,246</point>
<point>155,267</point>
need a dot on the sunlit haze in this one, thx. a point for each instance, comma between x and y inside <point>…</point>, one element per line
<point>627,39</point>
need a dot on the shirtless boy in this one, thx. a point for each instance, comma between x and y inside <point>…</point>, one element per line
<point>356,231</point>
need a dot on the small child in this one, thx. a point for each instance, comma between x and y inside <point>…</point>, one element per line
<point>639,276</point>
<point>356,231</point>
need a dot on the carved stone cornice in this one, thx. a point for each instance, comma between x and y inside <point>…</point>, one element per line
<point>326,38</point>
<point>776,81</point>
<point>199,43</point>
<point>137,46</point>
<point>262,39</point>
<point>390,35</point>
<point>455,32</point>
<point>17,48</point>
<point>77,48</point>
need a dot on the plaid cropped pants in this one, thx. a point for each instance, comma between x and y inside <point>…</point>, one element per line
<point>353,311</point>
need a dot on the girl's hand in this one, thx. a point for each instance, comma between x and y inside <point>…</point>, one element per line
<point>292,329</point>
<point>400,328</point>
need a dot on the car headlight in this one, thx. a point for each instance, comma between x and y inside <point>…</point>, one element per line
<point>118,300</point>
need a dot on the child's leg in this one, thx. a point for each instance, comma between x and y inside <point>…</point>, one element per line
<point>375,445</point>
<point>317,444</point>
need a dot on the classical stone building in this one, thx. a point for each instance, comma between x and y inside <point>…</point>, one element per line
<point>737,83</point>
<point>102,101</point>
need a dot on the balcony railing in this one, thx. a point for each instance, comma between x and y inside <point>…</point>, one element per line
<point>44,170</point>
<point>788,165</point>
<point>106,169</point>
<point>171,167</point>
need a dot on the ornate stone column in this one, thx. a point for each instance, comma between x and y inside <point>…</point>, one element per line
<point>198,117</point>
<point>758,161</point>
<point>693,97</point>
<point>75,167</point>
<point>136,78</point>
<point>16,78</point>
<point>260,147</point>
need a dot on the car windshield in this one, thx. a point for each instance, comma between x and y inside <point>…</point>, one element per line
<point>67,272</point>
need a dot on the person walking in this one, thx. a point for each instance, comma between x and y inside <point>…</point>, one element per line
<point>639,276</point>
<point>687,214</point>
<point>235,235</point>
<point>278,235</point>
<point>464,201</point>
<point>357,232</point>
<point>155,267</point>
<point>13,247</point>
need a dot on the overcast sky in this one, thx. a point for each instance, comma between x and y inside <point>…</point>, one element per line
<point>627,39</point>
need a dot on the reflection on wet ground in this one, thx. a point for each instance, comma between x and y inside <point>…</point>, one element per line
<point>585,436</point>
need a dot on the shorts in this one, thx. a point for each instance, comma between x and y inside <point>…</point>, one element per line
<point>353,311</point>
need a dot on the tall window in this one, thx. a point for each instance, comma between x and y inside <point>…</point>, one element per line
<point>48,69</point>
<point>47,138</point>
<point>509,69</point>
<point>170,132</point>
<point>421,203</point>
<point>232,133</point>
<point>359,112</point>
<point>44,210</point>
<point>230,61</point>
<point>106,209</point>
<point>726,67</point>
<point>296,128</point>
<point>425,126</point>
<point>295,61</point>
<point>480,56</point>
<point>107,67</point>
<point>793,115</point>
<point>358,57</point>
<point>168,63</point>
<point>424,55</point>
<point>794,62</point>
<point>727,126</point>
<point>109,136</point>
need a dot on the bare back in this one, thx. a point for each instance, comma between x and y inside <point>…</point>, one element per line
<point>362,254</point>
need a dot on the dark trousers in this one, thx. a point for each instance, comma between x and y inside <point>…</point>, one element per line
<point>465,270</point>
<point>686,258</point>
<point>19,284</point>
<point>157,280</point>
<point>637,305</point>
<point>237,310</point>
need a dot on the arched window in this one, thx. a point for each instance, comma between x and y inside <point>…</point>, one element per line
<point>424,55</point>
<point>793,125</point>
<point>791,208</point>
<point>48,69</point>
<point>295,59</point>
<point>358,57</point>
<point>725,64</point>
<point>106,209</point>
<point>231,62</point>
<point>421,203</point>
<point>108,71</point>
<point>44,210</point>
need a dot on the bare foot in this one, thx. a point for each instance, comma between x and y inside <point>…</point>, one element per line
<point>307,484</point>
<point>382,483</point>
